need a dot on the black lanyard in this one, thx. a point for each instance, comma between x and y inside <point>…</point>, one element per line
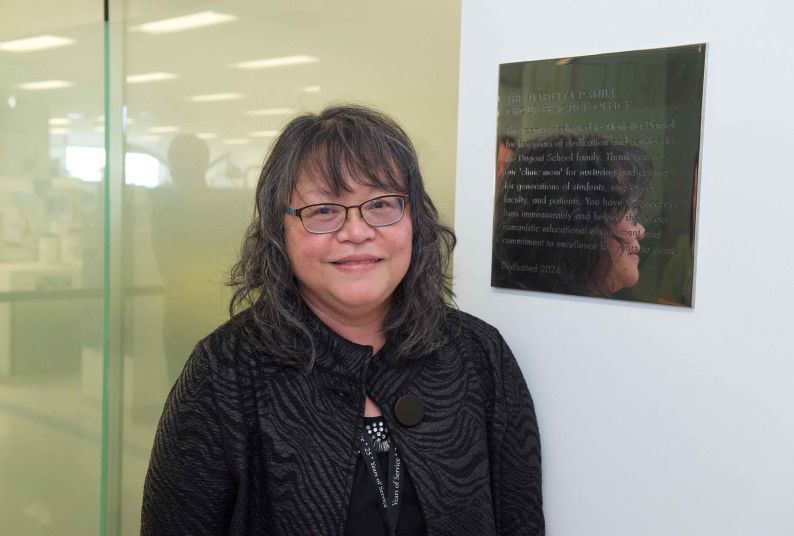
<point>389,492</point>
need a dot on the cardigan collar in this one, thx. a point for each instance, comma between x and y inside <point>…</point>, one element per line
<point>380,372</point>
<point>336,353</point>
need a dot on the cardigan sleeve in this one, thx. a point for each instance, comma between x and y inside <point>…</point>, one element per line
<point>189,488</point>
<point>517,473</point>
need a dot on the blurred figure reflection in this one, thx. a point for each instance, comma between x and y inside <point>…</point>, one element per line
<point>195,233</point>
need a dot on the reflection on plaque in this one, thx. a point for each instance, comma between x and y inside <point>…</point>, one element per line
<point>596,175</point>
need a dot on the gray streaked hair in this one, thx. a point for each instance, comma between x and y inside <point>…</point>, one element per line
<point>339,144</point>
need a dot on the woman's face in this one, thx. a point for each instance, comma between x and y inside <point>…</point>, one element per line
<point>625,255</point>
<point>352,271</point>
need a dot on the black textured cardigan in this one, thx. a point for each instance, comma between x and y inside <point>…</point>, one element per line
<point>249,446</point>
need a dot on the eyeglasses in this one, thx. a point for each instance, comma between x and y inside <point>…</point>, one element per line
<point>330,217</point>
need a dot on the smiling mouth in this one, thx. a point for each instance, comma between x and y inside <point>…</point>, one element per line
<point>355,262</point>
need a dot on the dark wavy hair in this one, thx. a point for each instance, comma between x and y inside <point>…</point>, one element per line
<point>339,144</point>
<point>548,195</point>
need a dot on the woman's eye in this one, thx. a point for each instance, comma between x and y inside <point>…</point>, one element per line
<point>383,203</point>
<point>321,211</point>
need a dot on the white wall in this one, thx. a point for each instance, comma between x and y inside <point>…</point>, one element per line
<point>656,420</point>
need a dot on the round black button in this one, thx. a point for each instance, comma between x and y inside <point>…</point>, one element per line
<point>410,410</point>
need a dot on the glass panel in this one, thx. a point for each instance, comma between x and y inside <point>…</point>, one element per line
<point>51,265</point>
<point>200,120</point>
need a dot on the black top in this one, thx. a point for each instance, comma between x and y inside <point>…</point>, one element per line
<point>364,517</point>
<point>248,444</point>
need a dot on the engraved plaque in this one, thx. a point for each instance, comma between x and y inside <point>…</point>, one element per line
<point>596,175</point>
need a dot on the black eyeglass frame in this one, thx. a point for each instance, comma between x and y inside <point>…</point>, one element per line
<point>297,212</point>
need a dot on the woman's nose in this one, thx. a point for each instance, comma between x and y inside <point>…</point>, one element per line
<point>355,229</point>
<point>640,231</point>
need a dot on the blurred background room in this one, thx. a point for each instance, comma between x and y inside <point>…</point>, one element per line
<point>131,138</point>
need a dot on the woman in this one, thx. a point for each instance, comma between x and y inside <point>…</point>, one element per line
<point>567,216</point>
<point>345,397</point>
